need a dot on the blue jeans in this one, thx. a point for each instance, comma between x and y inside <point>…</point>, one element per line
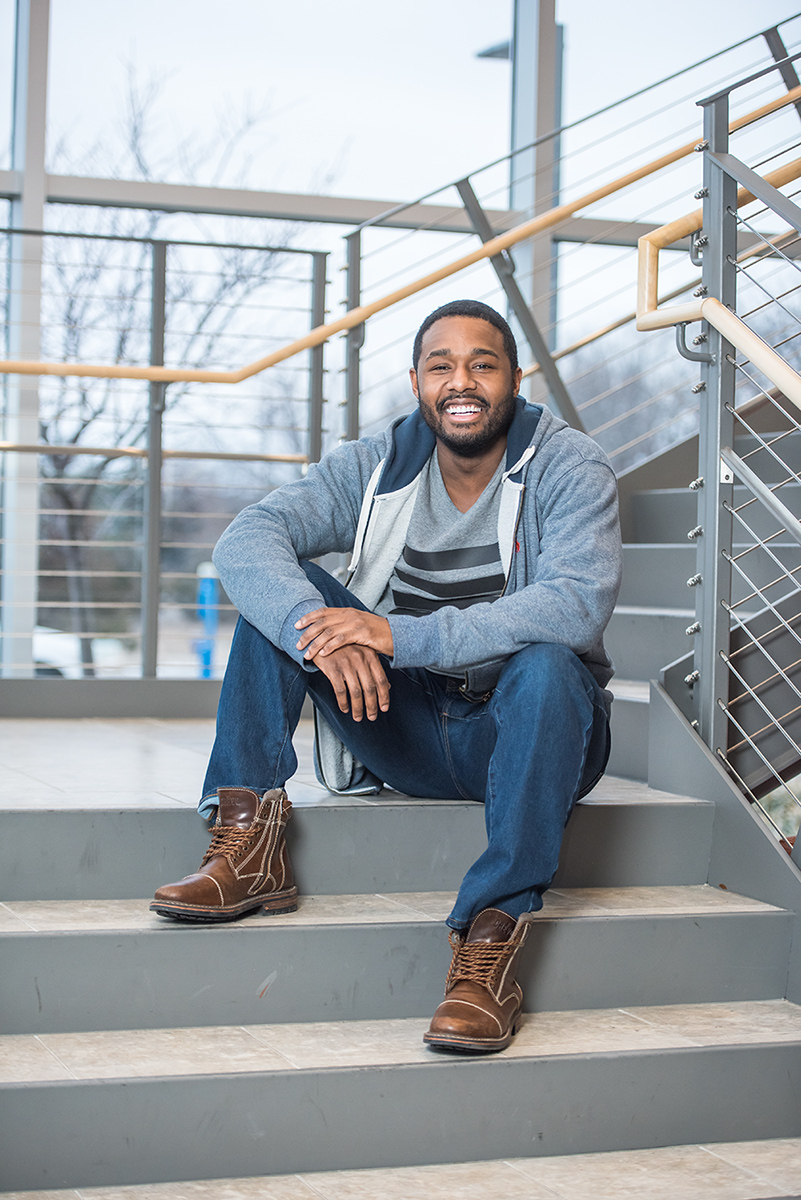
<point>529,752</point>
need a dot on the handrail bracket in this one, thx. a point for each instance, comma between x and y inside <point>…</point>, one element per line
<point>700,356</point>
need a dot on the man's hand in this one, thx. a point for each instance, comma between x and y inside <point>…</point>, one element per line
<point>358,680</point>
<point>327,629</point>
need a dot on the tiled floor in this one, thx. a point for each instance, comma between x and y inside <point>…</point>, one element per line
<point>719,1171</point>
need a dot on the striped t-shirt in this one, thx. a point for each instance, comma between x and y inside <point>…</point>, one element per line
<point>450,557</point>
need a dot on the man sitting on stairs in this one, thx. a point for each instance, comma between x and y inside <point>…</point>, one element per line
<point>485,566</point>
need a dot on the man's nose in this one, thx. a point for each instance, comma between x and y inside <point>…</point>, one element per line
<point>462,377</point>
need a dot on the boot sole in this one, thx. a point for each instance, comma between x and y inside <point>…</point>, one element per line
<point>279,902</point>
<point>457,1045</point>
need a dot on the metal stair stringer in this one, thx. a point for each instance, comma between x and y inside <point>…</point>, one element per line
<point>745,856</point>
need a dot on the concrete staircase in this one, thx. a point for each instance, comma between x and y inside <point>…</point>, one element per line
<point>136,1051</point>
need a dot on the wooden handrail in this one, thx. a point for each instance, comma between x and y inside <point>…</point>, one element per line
<point>649,314</point>
<point>357,316</point>
<point>140,452</point>
<point>597,334</point>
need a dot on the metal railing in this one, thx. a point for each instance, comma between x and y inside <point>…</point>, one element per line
<point>634,401</point>
<point>743,691</point>
<point>128,488</point>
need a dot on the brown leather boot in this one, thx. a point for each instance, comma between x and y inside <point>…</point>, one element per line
<point>483,1000</point>
<point>245,868</point>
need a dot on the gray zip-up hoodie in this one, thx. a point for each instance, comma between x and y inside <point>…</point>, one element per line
<point>558,535</point>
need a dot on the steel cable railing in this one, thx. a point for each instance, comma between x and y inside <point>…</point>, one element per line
<point>86,602</point>
<point>383,359</point>
<point>746,685</point>
<point>631,415</point>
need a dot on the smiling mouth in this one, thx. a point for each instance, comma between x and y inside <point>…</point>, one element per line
<point>462,408</point>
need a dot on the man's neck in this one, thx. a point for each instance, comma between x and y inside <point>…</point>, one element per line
<point>466,478</point>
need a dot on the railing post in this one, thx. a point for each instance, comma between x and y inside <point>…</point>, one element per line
<point>19,555</point>
<point>716,430</point>
<point>503,265</point>
<point>355,338</point>
<point>319,268</point>
<point>534,182</point>
<point>151,553</point>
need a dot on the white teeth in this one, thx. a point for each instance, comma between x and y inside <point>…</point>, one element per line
<point>463,408</point>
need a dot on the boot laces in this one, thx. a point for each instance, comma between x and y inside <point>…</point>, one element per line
<point>227,841</point>
<point>477,962</point>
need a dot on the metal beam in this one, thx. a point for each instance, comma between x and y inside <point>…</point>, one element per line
<point>534,165</point>
<point>355,338</point>
<point>504,269</point>
<point>21,489</point>
<point>760,188</point>
<point>170,197</point>
<point>10,185</point>
<point>151,562</point>
<point>316,371</point>
<point>604,232</point>
<point>276,206</point>
<point>780,53</point>
<point>713,574</point>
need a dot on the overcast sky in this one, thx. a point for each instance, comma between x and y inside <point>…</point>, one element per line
<point>364,97</point>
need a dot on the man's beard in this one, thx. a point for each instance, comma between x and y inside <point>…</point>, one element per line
<point>472,444</point>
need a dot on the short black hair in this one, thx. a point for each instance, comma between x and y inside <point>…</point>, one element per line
<point>467,308</point>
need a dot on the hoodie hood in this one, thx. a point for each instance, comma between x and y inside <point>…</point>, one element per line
<point>412,444</point>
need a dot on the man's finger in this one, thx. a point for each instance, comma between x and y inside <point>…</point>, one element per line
<point>356,696</point>
<point>369,691</point>
<point>310,618</point>
<point>382,685</point>
<point>341,691</point>
<point>323,634</point>
<point>324,643</point>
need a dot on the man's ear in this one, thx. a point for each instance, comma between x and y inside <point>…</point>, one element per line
<point>517,380</point>
<point>413,378</point>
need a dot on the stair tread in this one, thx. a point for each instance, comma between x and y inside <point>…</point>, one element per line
<point>314,1046</point>
<point>92,916</point>
<point>707,1171</point>
<point>156,765</point>
<point>611,789</point>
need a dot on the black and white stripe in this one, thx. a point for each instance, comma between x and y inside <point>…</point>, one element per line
<point>429,580</point>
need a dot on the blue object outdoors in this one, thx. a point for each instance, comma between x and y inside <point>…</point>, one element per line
<point>208,589</point>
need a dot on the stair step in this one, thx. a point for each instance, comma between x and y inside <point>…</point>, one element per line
<point>656,575</point>
<point>642,640</point>
<point>357,957</point>
<point>754,1170</point>
<point>667,515</point>
<point>629,728</point>
<point>236,1049</point>
<point>747,1170</point>
<point>392,844</point>
<point>370,1092</point>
